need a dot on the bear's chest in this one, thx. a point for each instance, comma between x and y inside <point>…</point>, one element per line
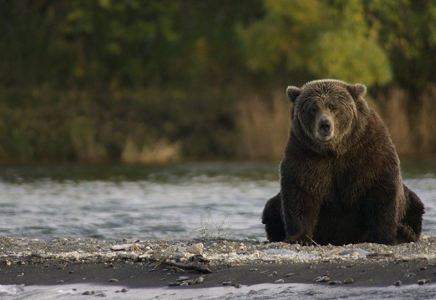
<point>329,180</point>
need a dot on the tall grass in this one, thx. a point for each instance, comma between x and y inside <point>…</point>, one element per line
<point>263,126</point>
<point>162,151</point>
<point>393,110</point>
<point>147,126</point>
<point>413,131</point>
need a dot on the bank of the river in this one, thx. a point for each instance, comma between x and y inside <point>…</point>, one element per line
<point>212,263</point>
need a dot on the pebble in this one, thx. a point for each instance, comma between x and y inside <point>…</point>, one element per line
<point>128,255</point>
<point>348,281</point>
<point>199,280</point>
<point>238,286</point>
<point>227,282</point>
<point>322,279</point>
<point>113,280</point>
<point>290,274</point>
<point>335,282</point>
<point>196,249</point>
<point>87,293</point>
<point>398,283</point>
<point>183,278</point>
<point>185,281</point>
<point>279,281</point>
<point>125,247</point>
<point>124,290</point>
<point>423,281</point>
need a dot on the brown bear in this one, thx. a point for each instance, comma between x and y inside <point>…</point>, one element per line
<point>340,178</point>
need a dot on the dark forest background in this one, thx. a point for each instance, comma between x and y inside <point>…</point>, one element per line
<point>158,80</point>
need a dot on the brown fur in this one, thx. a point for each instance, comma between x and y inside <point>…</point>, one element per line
<point>340,175</point>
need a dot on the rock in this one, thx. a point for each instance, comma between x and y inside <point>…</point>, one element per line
<point>128,255</point>
<point>290,274</point>
<point>227,282</point>
<point>125,247</point>
<point>145,256</point>
<point>182,278</point>
<point>349,281</point>
<point>398,283</point>
<point>87,293</point>
<point>113,280</point>
<point>124,290</point>
<point>238,286</point>
<point>279,281</point>
<point>335,282</point>
<point>196,249</point>
<point>322,279</point>
<point>423,281</point>
<point>354,252</point>
<point>199,280</point>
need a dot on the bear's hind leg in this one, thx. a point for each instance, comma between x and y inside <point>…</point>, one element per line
<point>272,218</point>
<point>411,226</point>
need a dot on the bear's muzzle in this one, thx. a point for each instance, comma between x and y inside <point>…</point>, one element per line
<point>324,128</point>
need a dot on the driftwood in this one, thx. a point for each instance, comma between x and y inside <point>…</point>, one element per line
<point>191,265</point>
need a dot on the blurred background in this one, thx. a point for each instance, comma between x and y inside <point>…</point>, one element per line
<point>158,81</point>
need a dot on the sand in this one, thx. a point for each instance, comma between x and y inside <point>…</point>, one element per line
<point>212,263</point>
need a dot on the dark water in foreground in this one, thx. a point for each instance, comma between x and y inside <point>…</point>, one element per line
<point>152,202</point>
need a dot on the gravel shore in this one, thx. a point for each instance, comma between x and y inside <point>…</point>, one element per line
<point>210,263</point>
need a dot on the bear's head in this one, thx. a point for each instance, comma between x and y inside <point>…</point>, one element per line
<point>325,113</point>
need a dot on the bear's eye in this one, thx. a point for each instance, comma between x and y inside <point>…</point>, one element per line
<point>332,107</point>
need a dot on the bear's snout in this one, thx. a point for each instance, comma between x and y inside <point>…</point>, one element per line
<point>324,128</point>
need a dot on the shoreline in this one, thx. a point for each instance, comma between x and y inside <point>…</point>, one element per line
<point>181,264</point>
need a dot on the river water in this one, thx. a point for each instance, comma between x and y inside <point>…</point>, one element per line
<point>189,200</point>
<point>182,201</point>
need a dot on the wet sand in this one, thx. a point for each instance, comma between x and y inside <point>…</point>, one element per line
<point>139,275</point>
<point>150,264</point>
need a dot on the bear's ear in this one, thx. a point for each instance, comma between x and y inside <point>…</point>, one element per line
<point>293,92</point>
<point>356,90</point>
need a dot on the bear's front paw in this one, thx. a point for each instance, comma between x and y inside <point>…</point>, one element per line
<point>303,240</point>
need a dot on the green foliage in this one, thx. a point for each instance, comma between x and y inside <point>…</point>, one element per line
<point>407,32</point>
<point>128,79</point>
<point>325,40</point>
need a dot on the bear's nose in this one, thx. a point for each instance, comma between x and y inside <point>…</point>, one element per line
<point>324,126</point>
